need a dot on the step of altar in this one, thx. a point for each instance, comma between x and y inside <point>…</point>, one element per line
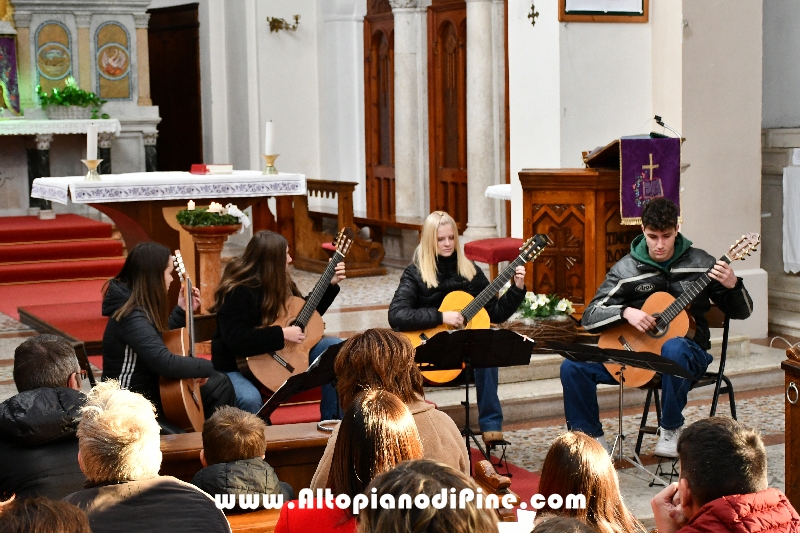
<point>540,398</point>
<point>784,322</point>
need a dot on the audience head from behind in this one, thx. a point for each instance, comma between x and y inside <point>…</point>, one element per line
<point>46,361</point>
<point>118,436</point>
<point>562,524</point>
<point>430,478</point>
<point>42,515</point>
<point>231,434</point>
<point>578,464</point>
<point>377,359</point>
<point>376,433</point>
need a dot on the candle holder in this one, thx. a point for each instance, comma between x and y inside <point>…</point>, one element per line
<point>92,165</point>
<point>269,160</point>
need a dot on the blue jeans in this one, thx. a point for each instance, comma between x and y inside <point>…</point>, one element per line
<point>490,413</point>
<point>579,381</point>
<point>248,398</point>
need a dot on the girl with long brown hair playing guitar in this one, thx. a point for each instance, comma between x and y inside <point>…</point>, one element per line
<point>440,268</point>
<point>254,291</point>
<point>133,347</point>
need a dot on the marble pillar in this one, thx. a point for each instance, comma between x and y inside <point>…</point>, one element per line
<point>39,167</point>
<point>481,138</point>
<point>22,22</point>
<point>150,153</point>
<point>410,107</point>
<point>83,21</point>
<point>104,152</point>
<point>143,58</point>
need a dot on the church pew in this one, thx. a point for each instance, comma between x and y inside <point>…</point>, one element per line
<point>293,450</point>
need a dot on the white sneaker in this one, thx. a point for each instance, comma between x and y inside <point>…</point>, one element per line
<point>602,440</point>
<point>667,445</point>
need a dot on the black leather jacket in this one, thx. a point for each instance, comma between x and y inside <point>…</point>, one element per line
<point>633,279</point>
<point>416,306</point>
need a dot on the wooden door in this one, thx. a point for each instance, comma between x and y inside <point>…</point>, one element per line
<point>174,41</point>
<point>447,98</point>
<point>379,108</point>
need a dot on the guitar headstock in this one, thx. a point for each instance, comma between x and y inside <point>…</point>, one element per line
<point>180,268</point>
<point>533,247</point>
<point>344,240</point>
<point>744,246</point>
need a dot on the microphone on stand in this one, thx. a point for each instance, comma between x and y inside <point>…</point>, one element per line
<point>663,125</point>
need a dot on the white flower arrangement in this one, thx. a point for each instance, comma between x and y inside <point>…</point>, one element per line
<point>541,306</point>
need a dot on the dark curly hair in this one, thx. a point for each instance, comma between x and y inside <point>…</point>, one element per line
<point>660,214</point>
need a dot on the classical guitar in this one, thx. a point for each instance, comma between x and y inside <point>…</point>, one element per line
<point>475,316</point>
<point>672,320</point>
<point>274,368</point>
<point>180,398</point>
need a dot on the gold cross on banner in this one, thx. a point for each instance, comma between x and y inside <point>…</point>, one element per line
<point>651,167</point>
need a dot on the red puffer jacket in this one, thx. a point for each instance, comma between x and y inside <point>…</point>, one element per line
<point>768,510</point>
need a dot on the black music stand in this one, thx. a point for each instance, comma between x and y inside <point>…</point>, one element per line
<point>470,349</point>
<point>586,353</point>
<point>318,373</point>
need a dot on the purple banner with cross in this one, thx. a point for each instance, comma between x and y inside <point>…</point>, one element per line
<point>649,168</point>
<point>8,73</point>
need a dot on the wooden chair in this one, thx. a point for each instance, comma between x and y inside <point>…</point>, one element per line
<point>491,482</point>
<point>716,319</point>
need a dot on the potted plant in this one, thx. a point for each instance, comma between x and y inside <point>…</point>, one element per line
<point>71,102</point>
<point>544,317</point>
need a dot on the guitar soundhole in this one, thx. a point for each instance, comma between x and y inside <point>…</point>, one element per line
<point>661,328</point>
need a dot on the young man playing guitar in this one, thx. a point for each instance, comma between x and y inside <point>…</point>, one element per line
<point>661,260</point>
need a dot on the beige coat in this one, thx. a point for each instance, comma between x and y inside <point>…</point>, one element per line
<point>441,441</point>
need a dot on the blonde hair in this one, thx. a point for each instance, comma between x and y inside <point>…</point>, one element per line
<point>427,251</point>
<point>118,436</point>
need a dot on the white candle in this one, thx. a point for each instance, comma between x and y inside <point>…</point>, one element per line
<point>190,206</point>
<point>91,142</point>
<point>269,139</point>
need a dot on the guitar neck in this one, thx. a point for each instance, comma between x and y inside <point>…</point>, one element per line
<point>695,288</point>
<point>494,287</point>
<point>189,316</point>
<point>319,289</point>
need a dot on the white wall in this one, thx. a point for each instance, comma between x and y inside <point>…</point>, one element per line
<point>533,93</point>
<point>781,64</point>
<point>606,89</point>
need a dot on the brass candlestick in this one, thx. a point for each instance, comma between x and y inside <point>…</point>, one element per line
<point>92,165</point>
<point>269,160</point>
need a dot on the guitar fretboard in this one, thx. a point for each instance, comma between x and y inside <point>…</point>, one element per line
<point>696,287</point>
<point>319,289</point>
<point>494,287</point>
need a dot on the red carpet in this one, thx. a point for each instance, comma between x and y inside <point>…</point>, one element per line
<point>524,482</point>
<point>63,227</point>
<point>49,294</point>
<point>69,247</point>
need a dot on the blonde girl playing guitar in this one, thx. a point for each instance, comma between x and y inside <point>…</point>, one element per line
<point>440,268</point>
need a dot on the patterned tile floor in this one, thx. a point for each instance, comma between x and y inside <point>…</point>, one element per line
<point>356,292</point>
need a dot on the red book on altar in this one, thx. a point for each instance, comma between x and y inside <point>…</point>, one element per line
<point>212,169</point>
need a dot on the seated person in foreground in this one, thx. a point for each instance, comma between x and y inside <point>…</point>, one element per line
<point>233,457</point>
<point>562,524</point>
<point>134,352</point>
<point>120,455</point>
<point>383,359</point>
<point>42,515</point>
<point>723,484</point>
<point>376,433</point>
<point>578,464</point>
<point>661,260</point>
<point>430,478</point>
<point>38,446</point>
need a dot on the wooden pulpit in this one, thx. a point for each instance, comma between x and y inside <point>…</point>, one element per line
<point>578,209</point>
<point>791,370</point>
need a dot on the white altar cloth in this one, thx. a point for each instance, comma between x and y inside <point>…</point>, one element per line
<point>58,127</point>
<point>500,192</point>
<point>141,186</point>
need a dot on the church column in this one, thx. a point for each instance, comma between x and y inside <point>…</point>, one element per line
<point>142,58</point>
<point>83,21</point>
<point>481,156</point>
<point>22,21</point>
<point>410,107</point>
